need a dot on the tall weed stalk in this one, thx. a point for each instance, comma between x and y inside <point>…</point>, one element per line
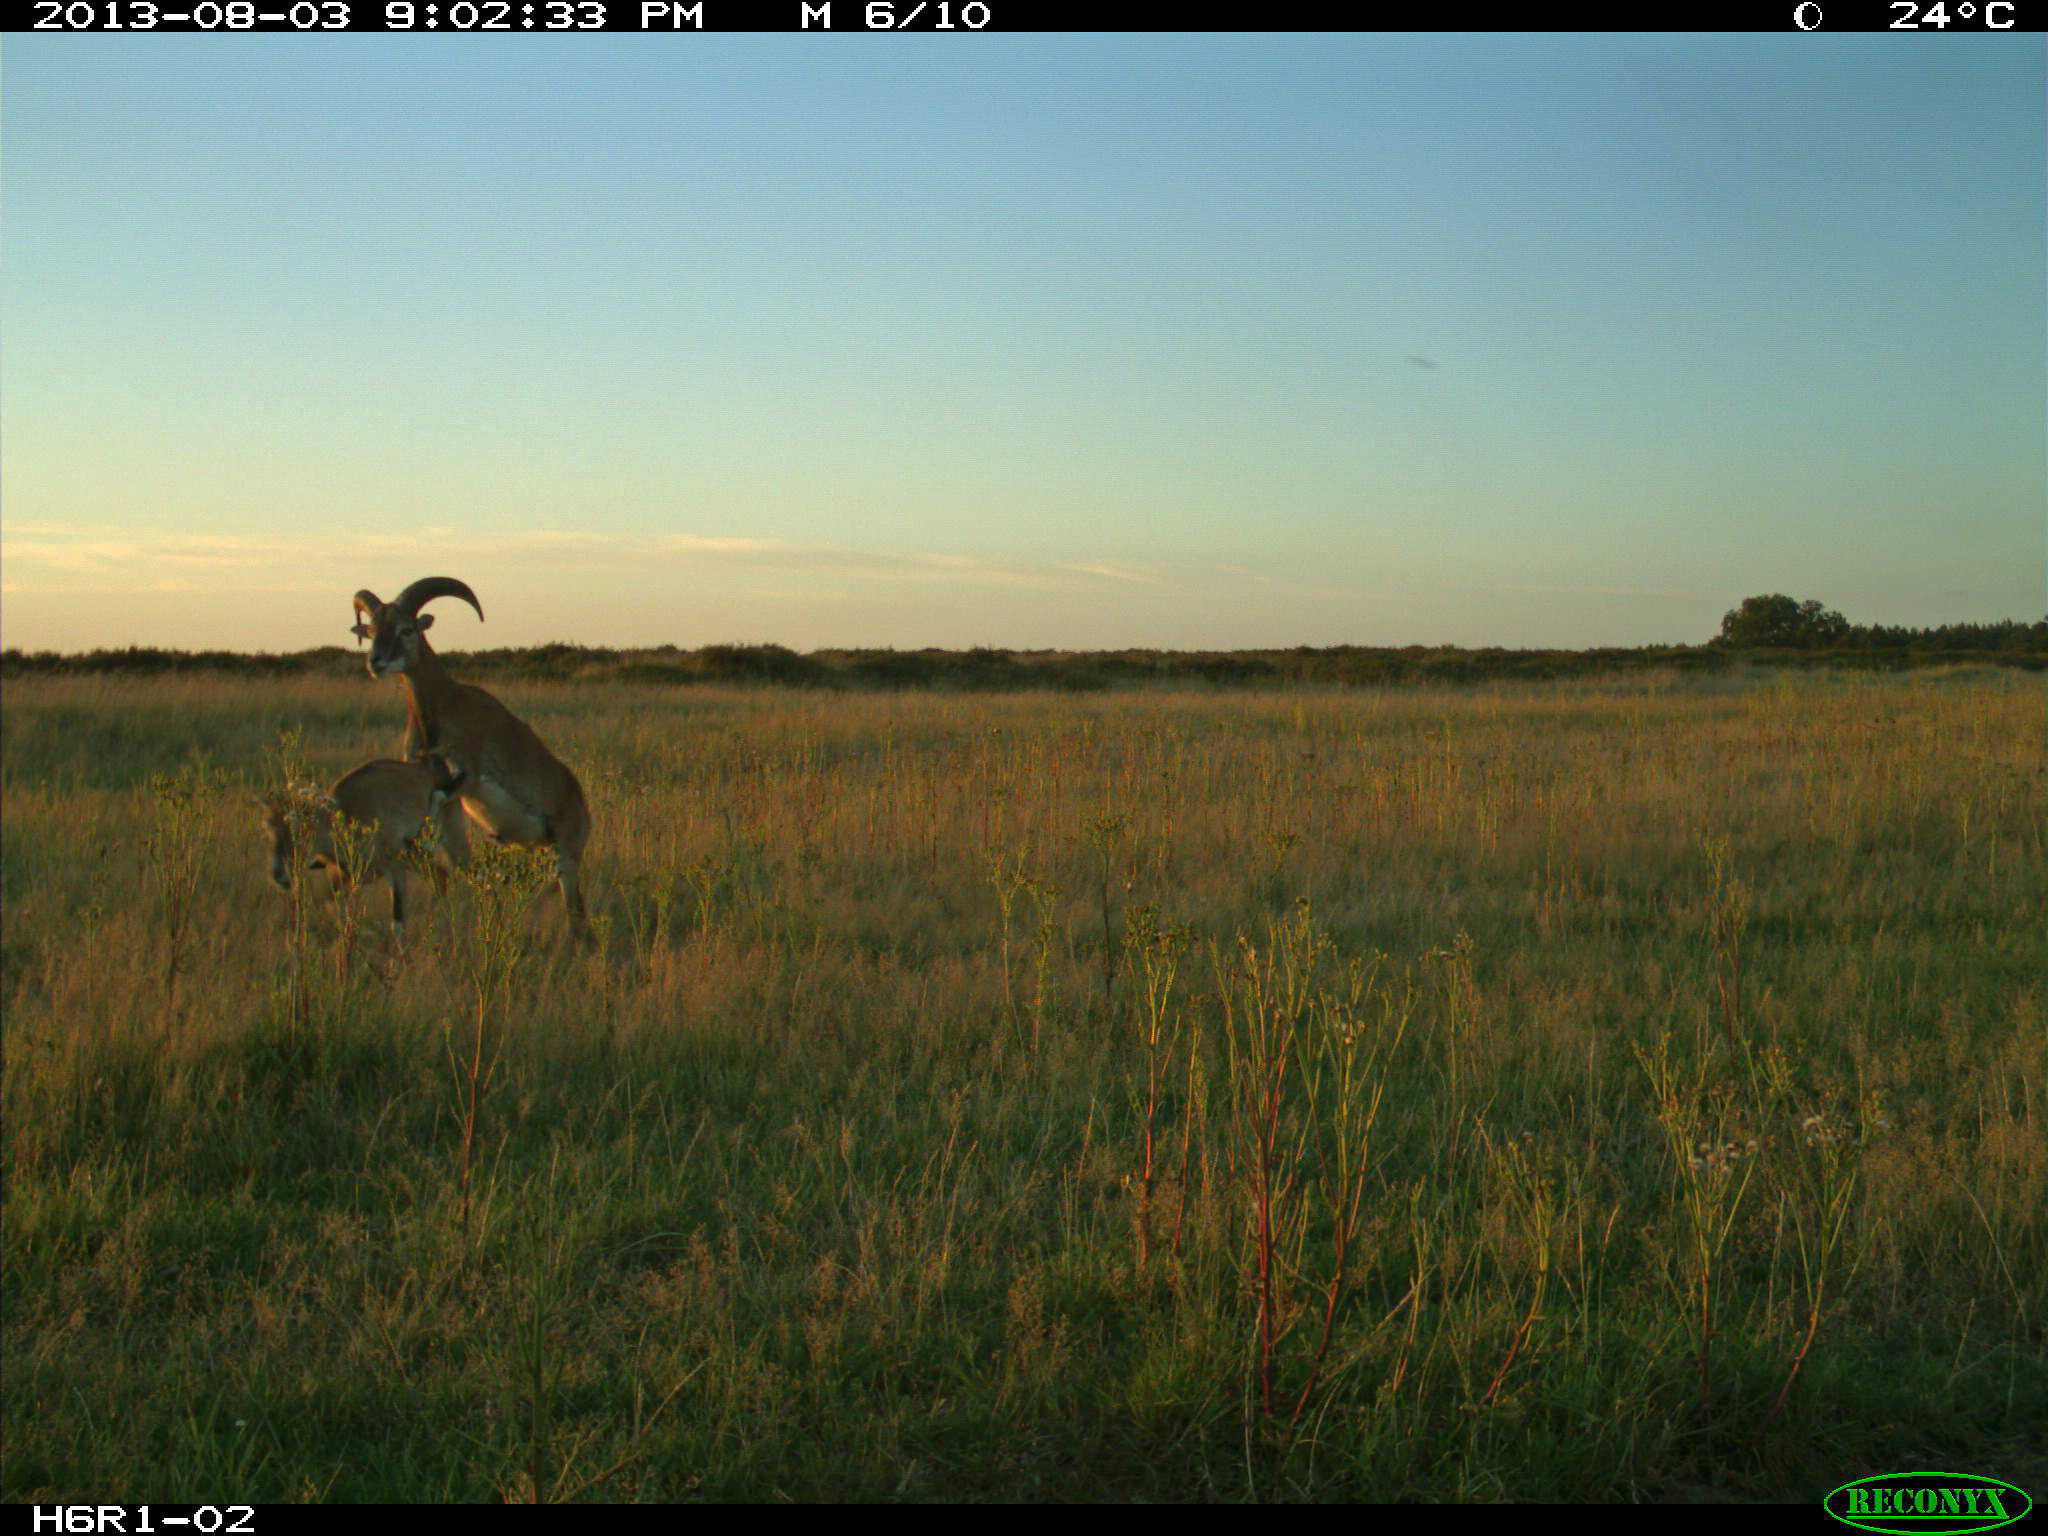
<point>1309,1042</point>
<point>504,882</point>
<point>174,855</point>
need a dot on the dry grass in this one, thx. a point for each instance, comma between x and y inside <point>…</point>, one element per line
<point>825,1173</point>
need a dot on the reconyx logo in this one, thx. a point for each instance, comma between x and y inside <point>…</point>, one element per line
<point>1927,1503</point>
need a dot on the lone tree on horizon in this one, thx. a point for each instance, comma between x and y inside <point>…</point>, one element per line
<point>1775,619</point>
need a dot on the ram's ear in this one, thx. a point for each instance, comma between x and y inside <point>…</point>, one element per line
<point>425,621</point>
<point>360,631</point>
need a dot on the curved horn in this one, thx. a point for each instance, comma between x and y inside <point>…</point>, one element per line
<point>427,588</point>
<point>368,606</point>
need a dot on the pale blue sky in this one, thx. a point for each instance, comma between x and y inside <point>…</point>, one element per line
<point>1203,341</point>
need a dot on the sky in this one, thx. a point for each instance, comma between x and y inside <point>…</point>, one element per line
<point>1028,341</point>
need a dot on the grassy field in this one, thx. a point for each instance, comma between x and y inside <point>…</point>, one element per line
<point>1583,1091</point>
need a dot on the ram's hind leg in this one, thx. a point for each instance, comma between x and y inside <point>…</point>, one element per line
<point>454,829</point>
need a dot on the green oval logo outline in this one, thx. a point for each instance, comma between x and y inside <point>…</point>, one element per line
<point>1894,1522</point>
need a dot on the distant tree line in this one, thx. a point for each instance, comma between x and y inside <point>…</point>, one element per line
<point>1775,620</point>
<point>986,669</point>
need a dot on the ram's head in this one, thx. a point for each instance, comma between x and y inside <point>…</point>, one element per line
<point>397,630</point>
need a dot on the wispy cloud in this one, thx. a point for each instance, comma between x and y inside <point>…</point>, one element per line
<point>48,556</point>
<point>1268,584</point>
<point>1118,573</point>
<point>1517,586</point>
<point>52,559</point>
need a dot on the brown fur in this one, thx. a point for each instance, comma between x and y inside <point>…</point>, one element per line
<point>513,788</point>
<point>392,799</point>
